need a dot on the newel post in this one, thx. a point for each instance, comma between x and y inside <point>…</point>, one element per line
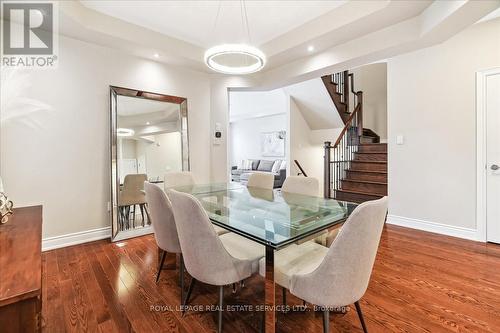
<point>326,172</point>
<point>360,114</point>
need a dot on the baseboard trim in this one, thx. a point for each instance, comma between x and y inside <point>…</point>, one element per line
<point>56,242</point>
<point>434,227</point>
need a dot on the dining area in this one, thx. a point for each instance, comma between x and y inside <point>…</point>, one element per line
<point>318,250</point>
<point>266,246</point>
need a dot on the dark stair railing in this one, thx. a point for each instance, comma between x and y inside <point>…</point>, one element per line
<point>302,172</point>
<point>338,157</point>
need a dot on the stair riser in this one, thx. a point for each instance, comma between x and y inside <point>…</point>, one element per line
<point>368,166</point>
<point>380,148</point>
<point>371,157</point>
<point>368,139</point>
<point>378,189</point>
<point>368,176</point>
<point>354,197</point>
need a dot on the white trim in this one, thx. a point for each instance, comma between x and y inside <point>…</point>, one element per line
<point>133,233</point>
<point>56,242</point>
<point>437,228</point>
<point>481,161</point>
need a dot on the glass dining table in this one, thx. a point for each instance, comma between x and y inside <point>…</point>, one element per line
<point>272,218</point>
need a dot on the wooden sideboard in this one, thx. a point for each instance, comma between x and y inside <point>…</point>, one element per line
<point>21,271</point>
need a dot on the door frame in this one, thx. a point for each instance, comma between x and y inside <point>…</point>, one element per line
<point>481,140</point>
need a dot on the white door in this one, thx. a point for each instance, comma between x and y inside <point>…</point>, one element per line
<point>493,158</point>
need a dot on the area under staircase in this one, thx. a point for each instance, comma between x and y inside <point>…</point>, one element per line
<point>355,165</point>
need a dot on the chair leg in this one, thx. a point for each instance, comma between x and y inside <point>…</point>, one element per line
<point>181,275</point>
<point>163,255</point>
<point>190,289</point>
<point>360,315</point>
<point>283,289</point>
<point>141,206</point>
<point>133,217</point>
<point>221,304</point>
<point>147,213</point>
<point>326,321</point>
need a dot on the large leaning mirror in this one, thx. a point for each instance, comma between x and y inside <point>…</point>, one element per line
<point>148,139</point>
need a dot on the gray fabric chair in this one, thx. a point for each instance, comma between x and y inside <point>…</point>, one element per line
<point>165,232</point>
<point>346,265</point>
<point>209,258</point>
<point>261,180</point>
<point>301,185</point>
<point>184,178</point>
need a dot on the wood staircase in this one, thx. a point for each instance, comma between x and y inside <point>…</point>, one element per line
<point>356,164</point>
<point>366,176</point>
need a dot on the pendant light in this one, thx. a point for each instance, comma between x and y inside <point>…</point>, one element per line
<point>235,58</point>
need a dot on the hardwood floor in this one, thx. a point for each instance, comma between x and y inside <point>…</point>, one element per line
<point>421,282</point>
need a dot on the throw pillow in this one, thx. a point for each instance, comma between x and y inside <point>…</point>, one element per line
<point>265,165</point>
<point>276,166</point>
<point>255,164</point>
<point>246,165</point>
<point>283,165</point>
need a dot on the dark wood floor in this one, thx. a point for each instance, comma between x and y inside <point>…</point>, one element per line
<point>421,282</point>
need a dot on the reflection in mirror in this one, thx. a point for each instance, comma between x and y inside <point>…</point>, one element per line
<point>150,140</point>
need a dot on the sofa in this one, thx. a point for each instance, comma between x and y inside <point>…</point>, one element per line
<point>241,172</point>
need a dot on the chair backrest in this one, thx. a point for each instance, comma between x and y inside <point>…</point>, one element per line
<point>133,185</point>
<point>301,185</point>
<point>162,218</point>
<point>343,276</point>
<point>205,257</point>
<point>261,180</point>
<point>181,178</point>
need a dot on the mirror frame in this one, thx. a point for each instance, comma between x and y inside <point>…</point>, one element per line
<point>114,92</point>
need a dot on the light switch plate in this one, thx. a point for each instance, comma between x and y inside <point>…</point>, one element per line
<point>400,140</point>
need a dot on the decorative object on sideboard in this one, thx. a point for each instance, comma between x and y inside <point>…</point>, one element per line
<point>5,205</point>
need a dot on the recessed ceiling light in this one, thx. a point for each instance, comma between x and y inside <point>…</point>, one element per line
<point>156,55</point>
<point>148,123</point>
<point>310,48</point>
<point>125,132</point>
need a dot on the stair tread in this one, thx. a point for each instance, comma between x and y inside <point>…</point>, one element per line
<point>373,144</point>
<point>371,152</point>
<point>378,162</point>
<point>361,192</point>
<point>368,171</point>
<point>364,181</point>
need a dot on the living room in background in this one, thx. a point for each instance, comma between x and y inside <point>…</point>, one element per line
<point>258,134</point>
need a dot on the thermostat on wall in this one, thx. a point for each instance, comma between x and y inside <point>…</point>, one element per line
<point>217,134</point>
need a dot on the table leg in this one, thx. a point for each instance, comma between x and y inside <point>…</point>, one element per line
<point>270,292</point>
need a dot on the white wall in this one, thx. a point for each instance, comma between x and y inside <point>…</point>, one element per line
<point>244,137</point>
<point>162,156</point>
<point>431,101</point>
<point>60,157</point>
<point>219,113</point>
<point>372,80</point>
<point>306,145</point>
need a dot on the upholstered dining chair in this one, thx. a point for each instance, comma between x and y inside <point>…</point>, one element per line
<point>301,185</point>
<point>184,178</point>
<point>209,258</point>
<point>165,232</point>
<point>261,180</point>
<point>131,195</point>
<point>337,276</point>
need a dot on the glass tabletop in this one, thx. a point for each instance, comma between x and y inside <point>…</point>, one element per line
<point>272,218</point>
